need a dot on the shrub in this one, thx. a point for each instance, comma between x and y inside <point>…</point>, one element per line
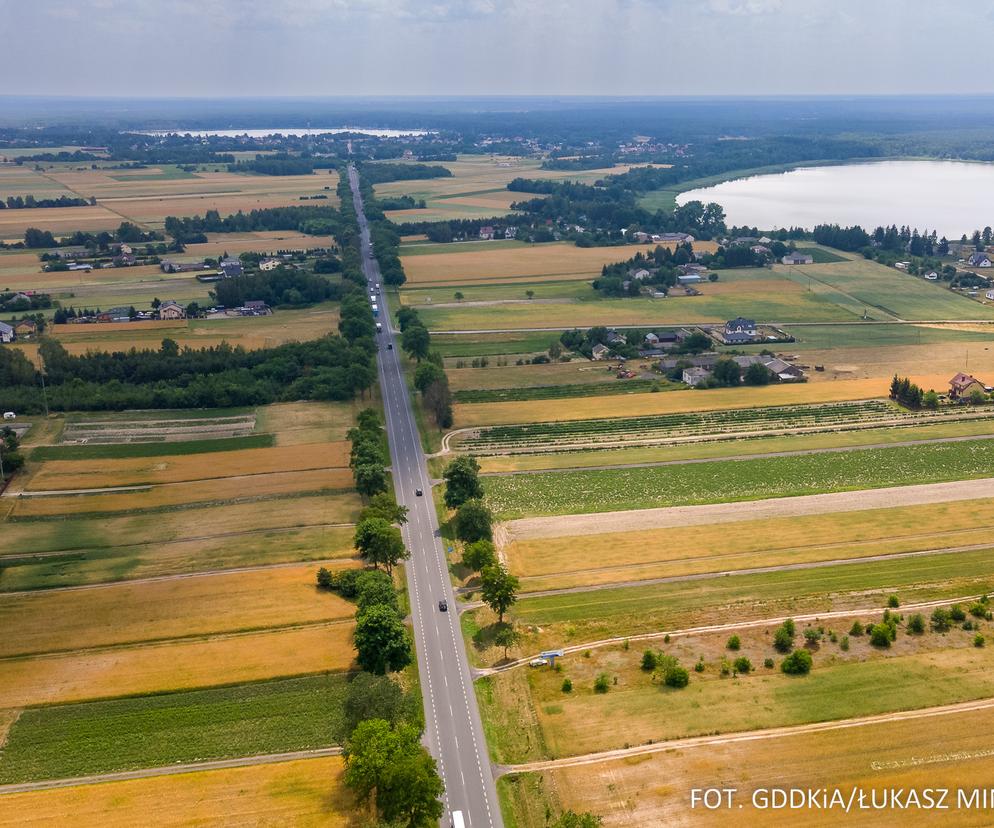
<point>941,619</point>
<point>676,676</point>
<point>733,643</point>
<point>769,663</point>
<point>856,629</point>
<point>798,663</point>
<point>892,602</point>
<point>699,667</point>
<point>844,644</point>
<point>649,661</point>
<point>978,640</point>
<point>742,665</point>
<point>567,686</point>
<point>811,636</point>
<point>916,624</point>
<point>956,613</point>
<point>602,683</point>
<point>880,635</point>
<point>783,640</point>
<point>978,610</point>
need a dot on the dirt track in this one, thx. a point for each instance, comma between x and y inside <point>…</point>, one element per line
<point>637,519</point>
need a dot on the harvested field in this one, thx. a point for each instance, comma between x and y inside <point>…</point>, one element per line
<point>65,741</point>
<point>942,751</point>
<point>76,474</point>
<point>171,495</point>
<point>57,220</point>
<point>161,428</point>
<point>482,414</point>
<point>308,422</point>
<point>182,665</point>
<point>42,622</point>
<point>306,793</point>
<point>552,261</point>
<point>529,376</point>
<point>582,559</point>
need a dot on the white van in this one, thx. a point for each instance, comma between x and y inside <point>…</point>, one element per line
<point>457,820</point>
<point>9,415</point>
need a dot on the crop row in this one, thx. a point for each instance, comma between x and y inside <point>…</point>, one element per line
<point>696,423</point>
<point>558,392</point>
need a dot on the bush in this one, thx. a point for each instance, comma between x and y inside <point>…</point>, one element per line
<point>734,643</point>
<point>602,683</point>
<point>941,619</point>
<point>567,686</point>
<point>742,665</point>
<point>769,663</point>
<point>783,639</point>
<point>798,663</point>
<point>978,640</point>
<point>856,629</point>
<point>844,644</point>
<point>916,624</point>
<point>811,636</point>
<point>699,667</point>
<point>676,676</point>
<point>880,635</point>
<point>957,614</point>
<point>893,602</point>
<point>649,661</point>
<point>978,610</point>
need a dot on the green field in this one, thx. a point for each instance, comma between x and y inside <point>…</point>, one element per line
<point>821,255</point>
<point>473,345</point>
<point>858,335</point>
<point>422,248</point>
<point>121,450</point>
<point>603,490</point>
<point>564,391</point>
<point>513,292</point>
<point>100,737</point>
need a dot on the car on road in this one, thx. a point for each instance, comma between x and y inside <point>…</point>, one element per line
<point>538,662</point>
<point>389,346</point>
<point>418,492</point>
<point>9,415</point>
<point>443,606</point>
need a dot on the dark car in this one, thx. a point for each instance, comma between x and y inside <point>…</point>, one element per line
<point>418,492</point>
<point>389,346</point>
<point>443,606</point>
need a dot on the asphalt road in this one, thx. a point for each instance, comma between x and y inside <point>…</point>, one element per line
<point>453,730</point>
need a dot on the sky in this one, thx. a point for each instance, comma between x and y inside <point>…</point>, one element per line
<point>146,48</point>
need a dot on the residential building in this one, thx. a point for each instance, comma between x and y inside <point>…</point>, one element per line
<point>269,264</point>
<point>641,274</point>
<point>510,232</point>
<point>932,276</point>
<point>679,238</point>
<point>689,279</point>
<point>796,258</point>
<point>615,338</point>
<point>6,333</point>
<point>487,232</point>
<point>171,310</point>
<point>600,351</point>
<point>229,268</point>
<point>25,328</point>
<point>695,376</point>
<point>980,259</point>
<point>962,385</point>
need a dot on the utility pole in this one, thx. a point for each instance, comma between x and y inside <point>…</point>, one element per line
<point>44,392</point>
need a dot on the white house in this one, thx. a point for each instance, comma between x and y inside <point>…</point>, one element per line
<point>6,332</point>
<point>695,376</point>
<point>796,258</point>
<point>932,276</point>
<point>980,260</point>
<point>641,274</point>
<point>269,264</point>
<point>599,351</point>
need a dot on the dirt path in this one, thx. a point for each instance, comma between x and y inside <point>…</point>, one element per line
<point>169,770</point>
<point>819,504</point>
<point>730,626</point>
<point>753,736</point>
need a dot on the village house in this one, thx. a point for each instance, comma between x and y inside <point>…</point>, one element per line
<point>6,333</point>
<point>980,260</point>
<point>689,279</point>
<point>679,238</point>
<point>615,338</point>
<point>963,385</point>
<point>641,236</point>
<point>932,276</point>
<point>739,331</point>
<point>255,307</point>
<point>269,264</point>
<point>487,233</point>
<point>641,274</point>
<point>170,266</point>
<point>695,376</point>
<point>691,267</point>
<point>26,328</point>
<point>599,351</point>
<point>230,268</point>
<point>796,258</point>
<point>171,310</point>
<point>510,232</point>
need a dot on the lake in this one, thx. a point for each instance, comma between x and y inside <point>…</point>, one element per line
<point>950,197</point>
<point>290,131</point>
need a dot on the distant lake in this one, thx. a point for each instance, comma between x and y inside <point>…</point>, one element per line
<point>950,197</point>
<point>294,131</point>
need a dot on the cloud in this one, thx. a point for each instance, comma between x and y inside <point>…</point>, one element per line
<point>742,8</point>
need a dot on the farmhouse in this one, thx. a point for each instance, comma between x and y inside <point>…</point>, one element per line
<point>255,307</point>
<point>229,268</point>
<point>600,351</point>
<point>962,385</point>
<point>510,232</point>
<point>615,338</point>
<point>487,232</point>
<point>171,310</point>
<point>980,260</point>
<point>739,331</point>
<point>6,333</point>
<point>26,328</point>
<point>695,376</point>
<point>679,238</point>
<point>641,274</point>
<point>269,264</point>
<point>796,258</point>
<point>932,276</point>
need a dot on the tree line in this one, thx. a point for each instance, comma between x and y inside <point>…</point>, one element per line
<point>29,202</point>
<point>380,172</point>
<point>281,287</point>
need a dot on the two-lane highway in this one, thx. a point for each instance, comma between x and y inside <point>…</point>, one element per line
<point>453,730</point>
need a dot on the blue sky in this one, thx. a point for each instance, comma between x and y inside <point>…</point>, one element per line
<point>439,47</point>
